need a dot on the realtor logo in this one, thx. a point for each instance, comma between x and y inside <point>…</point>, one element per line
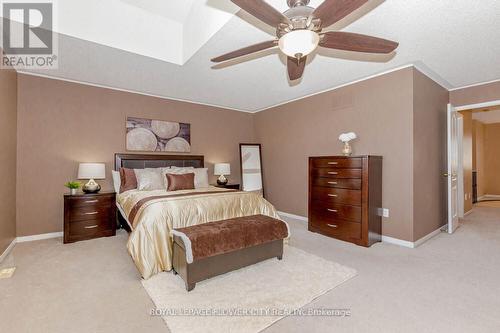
<point>28,38</point>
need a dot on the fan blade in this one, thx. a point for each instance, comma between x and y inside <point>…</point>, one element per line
<point>296,67</point>
<point>246,50</point>
<point>332,11</point>
<point>263,11</point>
<point>355,42</point>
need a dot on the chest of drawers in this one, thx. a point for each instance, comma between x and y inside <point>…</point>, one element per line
<point>88,216</point>
<point>345,194</point>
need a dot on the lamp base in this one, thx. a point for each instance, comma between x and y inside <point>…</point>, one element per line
<point>221,180</point>
<point>91,187</point>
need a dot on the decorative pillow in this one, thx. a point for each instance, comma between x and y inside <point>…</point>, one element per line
<point>180,182</point>
<point>182,169</point>
<point>149,179</point>
<point>116,180</point>
<point>200,175</point>
<point>128,180</point>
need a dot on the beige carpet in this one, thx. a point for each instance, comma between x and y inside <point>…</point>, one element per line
<point>271,285</point>
<point>449,284</point>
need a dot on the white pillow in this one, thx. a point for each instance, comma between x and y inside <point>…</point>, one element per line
<point>149,179</point>
<point>200,175</point>
<point>201,178</point>
<point>116,180</point>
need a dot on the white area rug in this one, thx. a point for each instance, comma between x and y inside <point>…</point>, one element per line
<point>272,285</point>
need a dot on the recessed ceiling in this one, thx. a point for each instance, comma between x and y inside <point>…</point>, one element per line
<point>456,41</point>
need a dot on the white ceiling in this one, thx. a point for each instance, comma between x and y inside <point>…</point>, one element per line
<point>489,117</point>
<point>136,45</point>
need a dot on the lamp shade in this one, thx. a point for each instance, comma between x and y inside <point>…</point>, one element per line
<point>91,171</point>
<point>222,169</point>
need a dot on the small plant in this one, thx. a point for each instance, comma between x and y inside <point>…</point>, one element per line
<point>73,185</point>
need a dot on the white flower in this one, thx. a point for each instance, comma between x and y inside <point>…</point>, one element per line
<point>346,137</point>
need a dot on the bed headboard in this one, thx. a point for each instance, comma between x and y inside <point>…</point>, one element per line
<point>141,161</point>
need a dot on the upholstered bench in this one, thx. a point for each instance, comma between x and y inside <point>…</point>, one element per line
<point>206,250</point>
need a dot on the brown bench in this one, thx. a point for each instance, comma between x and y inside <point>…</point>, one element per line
<point>210,249</point>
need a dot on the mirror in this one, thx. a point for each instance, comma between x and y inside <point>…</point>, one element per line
<point>251,168</point>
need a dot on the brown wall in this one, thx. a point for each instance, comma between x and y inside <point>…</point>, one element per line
<point>467,158</point>
<point>8,118</point>
<point>61,124</point>
<point>474,95</point>
<point>478,157</point>
<point>379,110</point>
<point>429,155</point>
<point>492,160</point>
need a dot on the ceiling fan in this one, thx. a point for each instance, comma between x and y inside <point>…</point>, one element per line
<point>299,31</point>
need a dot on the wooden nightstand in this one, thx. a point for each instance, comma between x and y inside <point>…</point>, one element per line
<point>231,186</point>
<point>88,216</point>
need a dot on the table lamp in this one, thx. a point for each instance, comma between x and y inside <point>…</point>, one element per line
<point>91,171</point>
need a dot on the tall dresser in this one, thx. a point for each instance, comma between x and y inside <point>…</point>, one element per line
<point>345,194</point>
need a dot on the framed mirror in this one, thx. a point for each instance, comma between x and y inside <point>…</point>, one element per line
<point>251,168</point>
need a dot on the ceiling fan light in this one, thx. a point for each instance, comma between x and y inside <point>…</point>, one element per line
<point>299,43</point>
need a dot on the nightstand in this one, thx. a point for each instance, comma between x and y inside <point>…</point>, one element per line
<point>231,186</point>
<point>88,216</point>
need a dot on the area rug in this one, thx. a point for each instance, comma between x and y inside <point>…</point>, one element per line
<point>247,300</point>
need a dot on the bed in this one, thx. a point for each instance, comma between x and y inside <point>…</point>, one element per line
<point>150,216</point>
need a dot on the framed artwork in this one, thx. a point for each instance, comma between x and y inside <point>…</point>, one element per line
<point>158,135</point>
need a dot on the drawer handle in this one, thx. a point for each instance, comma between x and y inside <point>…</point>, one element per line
<point>333,195</point>
<point>333,163</point>
<point>91,213</point>
<point>332,173</point>
<point>91,201</point>
<point>332,225</point>
<point>91,226</point>
<point>332,210</point>
<point>332,183</point>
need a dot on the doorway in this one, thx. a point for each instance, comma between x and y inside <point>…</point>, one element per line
<point>480,150</point>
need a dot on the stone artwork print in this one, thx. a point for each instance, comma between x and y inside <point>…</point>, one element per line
<point>158,135</point>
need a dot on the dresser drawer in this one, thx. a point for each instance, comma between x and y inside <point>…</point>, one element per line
<point>90,213</point>
<point>336,195</point>
<point>90,228</point>
<point>332,212</point>
<point>336,173</point>
<point>354,184</point>
<point>339,229</point>
<point>91,200</point>
<point>336,162</point>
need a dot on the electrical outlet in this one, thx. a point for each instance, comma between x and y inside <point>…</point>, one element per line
<point>384,212</point>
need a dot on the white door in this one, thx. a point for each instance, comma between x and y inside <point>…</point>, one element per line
<point>453,164</point>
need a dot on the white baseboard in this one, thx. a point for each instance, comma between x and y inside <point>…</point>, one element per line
<point>39,237</point>
<point>7,250</point>
<point>427,237</point>
<point>396,241</point>
<point>385,239</point>
<point>489,197</point>
<point>408,244</point>
<point>293,216</point>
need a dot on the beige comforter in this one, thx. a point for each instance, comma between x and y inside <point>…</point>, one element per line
<point>150,243</point>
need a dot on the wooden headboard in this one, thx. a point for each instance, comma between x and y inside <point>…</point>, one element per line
<point>141,161</point>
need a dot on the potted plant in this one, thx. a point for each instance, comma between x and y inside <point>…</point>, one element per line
<point>73,187</point>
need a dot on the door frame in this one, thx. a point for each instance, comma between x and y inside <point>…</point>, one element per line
<point>454,156</point>
<point>461,192</point>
